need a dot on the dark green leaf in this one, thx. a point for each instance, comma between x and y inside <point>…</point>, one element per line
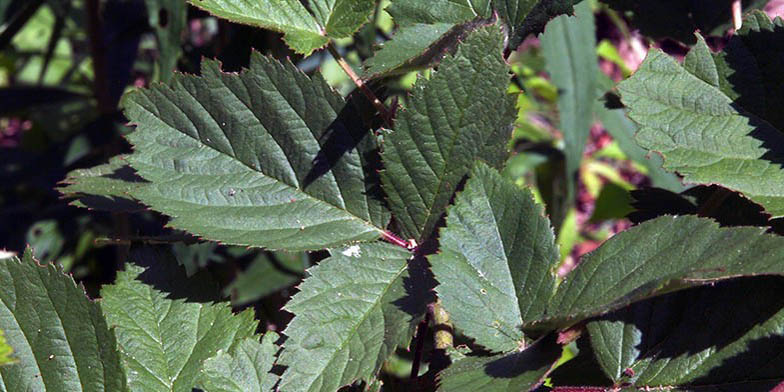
<point>411,48</point>
<point>60,338</point>
<point>662,255</point>
<point>245,368</point>
<point>351,313</point>
<point>688,341</point>
<point>569,47</point>
<point>267,274</point>
<point>460,114</point>
<point>304,32</point>
<point>497,261</point>
<point>717,119</point>
<point>268,157</point>
<point>519,371</point>
<point>164,341</point>
<point>104,187</point>
<point>622,131</point>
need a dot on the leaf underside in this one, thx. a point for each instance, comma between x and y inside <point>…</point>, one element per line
<point>268,157</point>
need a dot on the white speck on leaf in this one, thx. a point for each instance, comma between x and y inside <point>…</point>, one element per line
<point>352,251</point>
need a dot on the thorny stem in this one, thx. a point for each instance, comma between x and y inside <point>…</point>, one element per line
<point>442,326</point>
<point>385,113</point>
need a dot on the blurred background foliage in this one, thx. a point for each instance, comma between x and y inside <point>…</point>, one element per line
<point>64,65</point>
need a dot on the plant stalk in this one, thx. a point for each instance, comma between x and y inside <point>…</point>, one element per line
<point>385,113</point>
<point>444,331</point>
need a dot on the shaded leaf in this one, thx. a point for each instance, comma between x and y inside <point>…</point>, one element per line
<point>104,187</point>
<point>268,273</point>
<point>496,266</point>
<point>659,256</point>
<point>518,371</point>
<point>462,113</point>
<point>711,124</point>
<point>246,368</point>
<point>60,338</point>
<point>411,12</point>
<point>351,313</point>
<point>525,17</point>
<point>680,19</point>
<point>268,157</point>
<point>164,341</point>
<point>569,48</point>
<point>664,341</point>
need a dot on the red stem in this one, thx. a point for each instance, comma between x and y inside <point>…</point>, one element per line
<point>393,239</point>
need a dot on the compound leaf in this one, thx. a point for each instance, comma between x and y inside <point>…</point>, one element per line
<point>164,341</point>
<point>60,338</point>
<point>717,119</point>
<point>246,368</point>
<point>356,307</point>
<point>268,157</point>
<point>462,113</point>
<point>497,260</point>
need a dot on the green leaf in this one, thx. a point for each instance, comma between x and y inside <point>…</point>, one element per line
<point>411,12</point>
<point>245,369</point>
<point>525,17</point>
<point>6,351</point>
<point>717,119</point>
<point>164,341</point>
<point>519,371</point>
<point>462,113</point>
<point>411,48</point>
<point>622,131</point>
<point>569,48</point>
<point>168,18</point>
<point>430,29</point>
<point>60,338</point>
<point>304,32</point>
<point>664,342</point>
<point>342,18</point>
<point>496,266</point>
<point>356,307</point>
<point>662,255</point>
<point>268,273</point>
<point>104,187</point>
<point>268,157</point>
